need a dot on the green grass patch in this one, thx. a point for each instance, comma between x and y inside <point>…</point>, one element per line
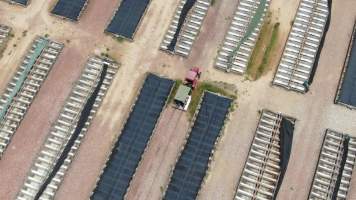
<point>260,58</point>
<point>198,93</point>
<point>119,39</point>
<point>270,47</point>
<point>174,90</point>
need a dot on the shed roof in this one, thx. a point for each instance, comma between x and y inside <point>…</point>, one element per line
<point>182,93</point>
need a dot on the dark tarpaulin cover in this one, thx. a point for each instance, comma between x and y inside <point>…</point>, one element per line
<point>347,93</point>
<point>81,123</point>
<point>193,162</point>
<point>285,141</point>
<point>133,139</point>
<point>127,18</point>
<point>317,57</point>
<point>69,8</point>
<point>342,165</point>
<point>185,10</point>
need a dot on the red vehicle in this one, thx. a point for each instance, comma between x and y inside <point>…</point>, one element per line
<point>192,77</point>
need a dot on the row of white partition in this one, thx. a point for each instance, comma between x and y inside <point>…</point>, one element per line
<point>301,49</point>
<point>241,36</point>
<point>190,29</point>
<point>4,34</point>
<point>64,127</point>
<point>20,103</point>
<point>261,172</point>
<point>328,168</point>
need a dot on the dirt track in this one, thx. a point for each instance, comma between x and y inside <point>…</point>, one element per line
<point>152,175</point>
<point>314,111</point>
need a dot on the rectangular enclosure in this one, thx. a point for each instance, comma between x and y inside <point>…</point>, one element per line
<point>334,169</point>
<point>192,165</point>
<point>127,152</point>
<point>301,53</point>
<point>20,2</point>
<point>242,36</point>
<point>4,37</point>
<point>24,86</point>
<point>127,18</point>
<point>268,157</point>
<point>69,9</point>
<point>59,148</point>
<point>185,26</point>
<point>346,94</point>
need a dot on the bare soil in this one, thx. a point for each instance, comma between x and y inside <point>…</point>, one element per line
<point>153,173</point>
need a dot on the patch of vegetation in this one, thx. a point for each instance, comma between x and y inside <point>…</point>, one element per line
<point>260,58</point>
<point>198,93</point>
<point>24,33</point>
<point>174,90</point>
<point>267,54</point>
<point>119,39</point>
<point>212,2</point>
<point>106,54</point>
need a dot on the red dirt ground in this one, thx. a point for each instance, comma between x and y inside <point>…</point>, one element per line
<point>154,170</point>
<point>42,113</point>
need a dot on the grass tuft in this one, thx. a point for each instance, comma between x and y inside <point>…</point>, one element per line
<point>260,58</point>
<point>267,54</point>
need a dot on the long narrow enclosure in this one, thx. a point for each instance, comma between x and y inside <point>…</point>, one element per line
<point>4,36</point>
<point>127,18</point>
<point>126,154</point>
<point>346,95</point>
<point>67,132</point>
<point>192,165</point>
<point>20,2</point>
<point>24,86</point>
<point>334,169</point>
<point>69,9</point>
<point>301,53</point>
<point>242,36</point>
<point>185,26</point>
<point>268,158</point>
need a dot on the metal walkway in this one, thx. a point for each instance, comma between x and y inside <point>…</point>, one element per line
<point>242,36</point>
<point>329,164</point>
<point>24,86</point>
<point>63,128</point>
<point>300,52</point>
<point>190,29</point>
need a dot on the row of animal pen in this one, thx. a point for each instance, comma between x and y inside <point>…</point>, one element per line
<point>265,165</point>
<point>261,177</point>
<point>298,62</point>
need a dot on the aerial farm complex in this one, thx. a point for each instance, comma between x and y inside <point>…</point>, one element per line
<point>177,100</point>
